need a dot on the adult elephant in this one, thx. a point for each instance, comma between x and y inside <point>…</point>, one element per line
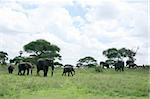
<point>119,65</point>
<point>23,67</point>
<point>68,69</point>
<point>104,64</point>
<point>43,64</point>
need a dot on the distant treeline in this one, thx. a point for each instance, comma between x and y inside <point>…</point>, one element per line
<point>44,49</point>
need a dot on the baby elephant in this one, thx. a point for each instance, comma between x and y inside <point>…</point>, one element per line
<point>23,67</point>
<point>10,69</point>
<point>68,69</point>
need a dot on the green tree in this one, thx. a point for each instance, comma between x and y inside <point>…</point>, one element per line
<point>58,64</point>
<point>131,55</point>
<point>3,57</point>
<point>16,59</point>
<point>110,62</point>
<point>114,54</point>
<point>43,49</point>
<point>111,53</point>
<point>87,62</point>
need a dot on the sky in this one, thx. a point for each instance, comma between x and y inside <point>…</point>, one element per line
<point>79,27</point>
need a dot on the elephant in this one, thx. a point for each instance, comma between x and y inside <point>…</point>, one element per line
<point>104,64</point>
<point>23,67</point>
<point>68,69</point>
<point>43,64</point>
<point>10,69</point>
<point>119,65</point>
<point>131,64</point>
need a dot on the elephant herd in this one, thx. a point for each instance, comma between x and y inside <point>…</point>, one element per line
<point>119,65</point>
<point>42,64</point>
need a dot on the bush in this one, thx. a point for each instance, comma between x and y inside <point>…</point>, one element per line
<point>98,69</point>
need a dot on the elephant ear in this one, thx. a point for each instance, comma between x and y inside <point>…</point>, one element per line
<point>22,63</point>
<point>41,59</point>
<point>29,64</point>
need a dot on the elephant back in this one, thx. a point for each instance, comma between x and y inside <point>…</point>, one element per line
<point>44,62</point>
<point>119,64</point>
<point>21,66</point>
<point>25,65</point>
<point>29,65</point>
<point>68,66</point>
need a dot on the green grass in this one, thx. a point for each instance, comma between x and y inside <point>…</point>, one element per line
<point>86,84</point>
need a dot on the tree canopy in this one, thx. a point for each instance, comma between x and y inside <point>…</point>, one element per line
<point>3,57</point>
<point>87,61</point>
<point>58,64</point>
<point>111,53</point>
<point>115,54</point>
<point>42,48</point>
<point>16,59</point>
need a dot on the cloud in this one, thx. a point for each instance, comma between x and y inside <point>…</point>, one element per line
<point>79,27</point>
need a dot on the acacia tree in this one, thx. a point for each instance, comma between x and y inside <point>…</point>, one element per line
<point>3,57</point>
<point>110,62</point>
<point>16,60</point>
<point>131,54</point>
<point>116,54</point>
<point>58,64</point>
<point>43,49</point>
<point>111,53</point>
<point>87,62</point>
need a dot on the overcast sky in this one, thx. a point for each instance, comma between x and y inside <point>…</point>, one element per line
<point>79,27</point>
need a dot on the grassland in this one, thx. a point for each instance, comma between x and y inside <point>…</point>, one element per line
<point>86,84</point>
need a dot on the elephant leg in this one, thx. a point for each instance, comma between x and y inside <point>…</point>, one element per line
<point>27,71</point>
<point>68,73</point>
<point>38,72</point>
<point>63,73</point>
<point>103,66</point>
<point>129,66</point>
<point>117,69</point>
<point>24,72</point>
<point>52,73</point>
<point>120,69</point>
<point>19,72</point>
<point>71,73</point>
<point>31,71</point>
<point>9,72</point>
<point>52,68</point>
<point>45,72</point>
